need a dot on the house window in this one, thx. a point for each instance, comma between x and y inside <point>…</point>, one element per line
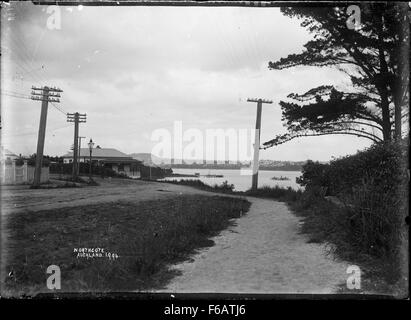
<point>121,167</point>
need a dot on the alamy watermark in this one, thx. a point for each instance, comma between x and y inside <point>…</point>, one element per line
<point>209,146</point>
<point>354,19</point>
<point>54,280</point>
<point>354,278</point>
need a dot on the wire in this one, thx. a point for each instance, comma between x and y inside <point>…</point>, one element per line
<point>15,96</point>
<point>27,67</point>
<point>35,132</point>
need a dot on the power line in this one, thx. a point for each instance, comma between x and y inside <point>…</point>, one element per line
<point>34,132</point>
<point>16,96</point>
<point>27,66</point>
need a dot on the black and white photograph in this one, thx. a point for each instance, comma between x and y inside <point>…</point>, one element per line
<point>197,149</point>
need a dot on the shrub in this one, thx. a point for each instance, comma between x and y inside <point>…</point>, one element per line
<point>384,164</point>
<point>314,174</point>
<point>276,192</point>
<point>373,188</point>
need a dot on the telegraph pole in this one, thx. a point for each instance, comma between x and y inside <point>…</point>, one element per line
<point>76,118</point>
<point>45,95</point>
<point>260,102</point>
<point>79,154</point>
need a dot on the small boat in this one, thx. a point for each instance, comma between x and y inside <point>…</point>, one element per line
<point>213,176</point>
<point>280,178</point>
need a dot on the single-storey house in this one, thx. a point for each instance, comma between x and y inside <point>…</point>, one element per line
<point>7,154</point>
<point>108,157</point>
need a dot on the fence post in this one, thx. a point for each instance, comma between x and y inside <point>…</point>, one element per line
<point>25,172</point>
<point>13,166</point>
<point>3,171</point>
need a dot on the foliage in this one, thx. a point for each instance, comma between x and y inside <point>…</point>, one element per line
<point>276,192</point>
<point>381,164</point>
<point>225,187</point>
<point>375,57</point>
<point>104,171</point>
<point>372,186</point>
<point>154,172</point>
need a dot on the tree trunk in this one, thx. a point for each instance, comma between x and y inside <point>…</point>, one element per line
<point>400,98</point>
<point>382,83</point>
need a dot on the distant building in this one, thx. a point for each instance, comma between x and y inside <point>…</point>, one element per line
<point>15,169</point>
<point>8,155</point>
<point>108,157</point>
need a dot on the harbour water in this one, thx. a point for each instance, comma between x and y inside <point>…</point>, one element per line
<point>240,181</point>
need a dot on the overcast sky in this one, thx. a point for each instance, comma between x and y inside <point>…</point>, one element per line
<point>133,70</point>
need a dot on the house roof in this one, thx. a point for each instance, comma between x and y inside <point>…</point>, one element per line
<point>7,153</point>
<point>100,153</point>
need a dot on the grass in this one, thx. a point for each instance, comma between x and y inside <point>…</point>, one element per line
<point>276,192</point>
<point>198,184</point>
<point>366,229</point>
<point>147,236</point>
<point>56,186</point>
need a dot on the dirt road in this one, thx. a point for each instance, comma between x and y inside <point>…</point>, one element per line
<point>263,253</point>
<point>20,198</point>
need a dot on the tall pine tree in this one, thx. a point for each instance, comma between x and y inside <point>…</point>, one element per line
<point>375,55</point>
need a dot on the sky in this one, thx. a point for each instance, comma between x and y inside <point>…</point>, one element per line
<point>140,70</point>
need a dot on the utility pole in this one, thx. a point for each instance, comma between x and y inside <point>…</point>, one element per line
<point>254,184</point>
<point>45,95</point>
<point>76,118</point>
<point>79,154</point>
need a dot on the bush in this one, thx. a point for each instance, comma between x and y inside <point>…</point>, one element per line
<point>276,192</point>
<point>314,174</point>
<point>224,187</point>
<point>373,188</point>
<point>196,183</point>
<point>384,164</point>
<point>156,172</point>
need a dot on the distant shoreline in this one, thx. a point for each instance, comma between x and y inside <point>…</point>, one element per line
<point>239,168</point>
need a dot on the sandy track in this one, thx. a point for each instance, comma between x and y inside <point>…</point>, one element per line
<point>263,253</point>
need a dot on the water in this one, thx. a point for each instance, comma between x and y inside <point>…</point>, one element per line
<point>241,182</point>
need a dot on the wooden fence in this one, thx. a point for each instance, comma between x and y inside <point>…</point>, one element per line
<point>11,173</point>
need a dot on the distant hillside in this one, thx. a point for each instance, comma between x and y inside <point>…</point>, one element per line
<point>276,165</point>
<point>147,158</point>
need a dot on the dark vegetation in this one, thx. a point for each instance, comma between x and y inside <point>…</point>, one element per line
<point>367,226</point>
<point>357,204</point>
<point>376,58</point>
<point>105,171</point>
<point>225,187</point>
<point>147,236</point>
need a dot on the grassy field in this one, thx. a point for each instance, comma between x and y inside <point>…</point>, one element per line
<point>146,236</point>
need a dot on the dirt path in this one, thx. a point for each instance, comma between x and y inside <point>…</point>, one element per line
<point>263,253</point>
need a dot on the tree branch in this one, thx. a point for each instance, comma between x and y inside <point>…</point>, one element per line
<point>270,144</point>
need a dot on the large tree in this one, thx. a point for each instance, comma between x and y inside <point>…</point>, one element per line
<point>375,55</point>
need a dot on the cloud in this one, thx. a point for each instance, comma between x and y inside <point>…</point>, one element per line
<point>136,69</point>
